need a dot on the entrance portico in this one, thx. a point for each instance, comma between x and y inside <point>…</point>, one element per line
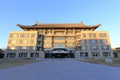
<point>59,52</point>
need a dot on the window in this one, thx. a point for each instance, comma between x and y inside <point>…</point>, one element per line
<point>102,35</point>
<point>106,54</point>
<point>92,35</point>
<point>95,54</point>
<point>32,41</point>
<point>94,47</point>
<point>12,48</point>
<point>93,41</point>
<point>48,38</point>
<point>59,38</point>
<point>70,38</point>
<point>24,41</point>
<point>25,35</point>
<point>32,55</point>
<point>33,47</point>
<point>24,47</point>
<point>36,55</point>
<point>11,55</point>
<point>47,44</point>
<point>33,35</point>
<point>48,32</point>
<point>14,35</point>
<point>71,44</point>
<point>103,41</point>
<point>59,33</point>
<point>84,41</point>
<point>69,31</point>
<point>83,35</point>
<point>84,54</point>
<point>84,47</point>
<point>105,47</point>
<point>13,41</point>
<point>22,55</point>
<point>59,44</point>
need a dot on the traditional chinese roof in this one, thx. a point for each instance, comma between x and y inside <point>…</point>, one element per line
<point>58,26</point>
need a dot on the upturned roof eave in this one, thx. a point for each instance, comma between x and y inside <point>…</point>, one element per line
<point>42,26</point>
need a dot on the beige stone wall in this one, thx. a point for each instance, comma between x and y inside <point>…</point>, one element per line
<point>22,39</point>
<point>65,37</point>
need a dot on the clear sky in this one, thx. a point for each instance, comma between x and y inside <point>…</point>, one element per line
<point>91,12</point>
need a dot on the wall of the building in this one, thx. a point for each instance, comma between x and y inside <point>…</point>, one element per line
<point>64,37</point>
<point>24,40</point>
<point>94,44</point>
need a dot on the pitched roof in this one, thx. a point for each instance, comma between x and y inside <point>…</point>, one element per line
<point>43,26</point>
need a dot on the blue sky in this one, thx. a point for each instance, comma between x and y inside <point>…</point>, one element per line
<point>91,12</point>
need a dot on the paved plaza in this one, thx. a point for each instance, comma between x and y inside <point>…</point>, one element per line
<point>60,69</point>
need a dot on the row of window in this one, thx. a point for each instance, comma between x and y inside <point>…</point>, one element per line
<point>95,47</point>
<point>59,44</point>
<point>24,35</point>
<point>22,55</point>
<point>47,30</point>
<point>95,54</point>
<point>23,47</point>
<point>59,38</point>
<point>93,35</point>
<point>22,41</point>
<point>94,41</point>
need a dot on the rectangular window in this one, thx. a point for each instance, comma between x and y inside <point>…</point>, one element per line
<point>24,47</point>
<point>84,41</point>
<point>59,38</point>
<point>94,47</point>
<point>48,33</point>
<point>70,44</point>
<point>70,38</point>
<point>103,35</point>
<point>84,47</point>
<point>59,44</point>
<point>33,35</point>
<point>103,41</point>
<point>93,41</point>
<point>24,42</point>
<point>84,54</point>
<point>106,54</point>
<point>47,44</point>
<point>83,35</point>
<point>32,41</point>
<point>48,38</point>
<point>105,47</point>
<point>95,54</point>
<point>59,33</point>
<point>92,35</point>
<point>13,41</point>
<point>25,35</point>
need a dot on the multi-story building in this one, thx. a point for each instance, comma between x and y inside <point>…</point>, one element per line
<point>94,44</point>
<point>116,52</point>
<point>59,34</point>
<point>83,39</point>
<point>29,40</point>
<point>23,44</point>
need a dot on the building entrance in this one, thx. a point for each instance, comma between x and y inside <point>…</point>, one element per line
<point>59,52</point>
<point>59,55</point>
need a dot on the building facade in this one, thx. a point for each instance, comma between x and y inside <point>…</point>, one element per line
<point>24,44</point>
<point>94,44</point>
<point>83,39</point>
<point>59,34</point>
<point>28,40</point>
